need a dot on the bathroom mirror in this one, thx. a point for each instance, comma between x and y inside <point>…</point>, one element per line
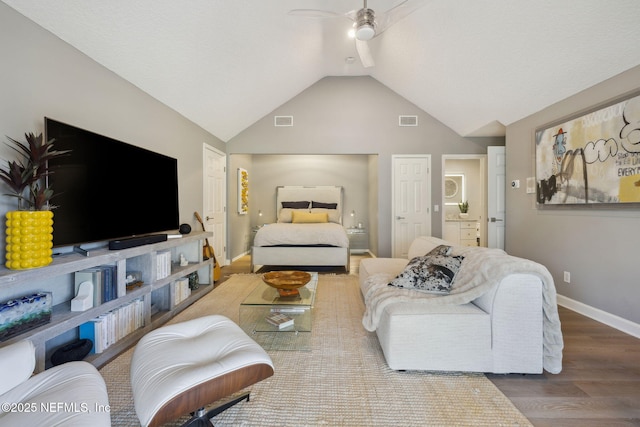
<point>454,188</point>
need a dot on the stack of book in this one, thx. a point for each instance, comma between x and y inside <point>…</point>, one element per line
<point>280,320</point>
<point>182,290</point>
<point>107,329</point>
<point>163,264</point>
<point>105,282</point>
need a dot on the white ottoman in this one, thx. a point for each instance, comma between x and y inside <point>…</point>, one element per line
<point>178,369</point>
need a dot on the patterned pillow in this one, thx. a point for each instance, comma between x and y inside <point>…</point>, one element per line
<point>440,250</point>
<point>429,274</point>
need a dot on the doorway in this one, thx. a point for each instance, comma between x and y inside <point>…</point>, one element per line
<point>214,200</point>
<point>411,195</point>
<point>464,180</point>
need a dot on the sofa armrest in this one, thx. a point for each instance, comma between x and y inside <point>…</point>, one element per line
<point>370,266</point>
<point>17,362</point>
<point>515,306</point>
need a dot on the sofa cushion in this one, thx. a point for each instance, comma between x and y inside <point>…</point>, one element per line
<point>17,362</point>
<point>429,273</point>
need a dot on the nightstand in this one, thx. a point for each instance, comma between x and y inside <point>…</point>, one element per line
<point>358,239</point>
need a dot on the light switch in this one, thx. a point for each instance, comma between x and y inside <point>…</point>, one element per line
<point>531,185</point>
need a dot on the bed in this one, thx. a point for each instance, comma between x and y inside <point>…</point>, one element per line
<point>305,234</point>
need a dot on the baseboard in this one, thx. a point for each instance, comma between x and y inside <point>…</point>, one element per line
<point>240,256</point>
<point>601,316</point>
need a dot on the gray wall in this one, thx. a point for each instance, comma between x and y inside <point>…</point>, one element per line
<point>359,115</point>
<point>268,171</point>
<point>599,247</point>
<point>43,76</point>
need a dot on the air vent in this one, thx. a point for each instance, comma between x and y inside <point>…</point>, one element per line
<point>283,121</point>
<point>407,120</point>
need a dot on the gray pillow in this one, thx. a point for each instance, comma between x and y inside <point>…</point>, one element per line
<point>322,205</point>
<point>429,274</point>
<point>296,205</point>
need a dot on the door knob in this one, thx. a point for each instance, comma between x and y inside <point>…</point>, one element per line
<point>208,218</point>
<point>400,217</point>
<point>494,219</point>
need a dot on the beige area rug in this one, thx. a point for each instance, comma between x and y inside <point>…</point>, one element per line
<point>343,381</point>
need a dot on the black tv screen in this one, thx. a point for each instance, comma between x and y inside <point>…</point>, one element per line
<point>107,189</point>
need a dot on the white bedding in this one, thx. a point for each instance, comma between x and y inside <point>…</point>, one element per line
<point>295,234</point>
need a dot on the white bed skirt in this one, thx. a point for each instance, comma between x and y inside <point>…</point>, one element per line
<point>323,256</point>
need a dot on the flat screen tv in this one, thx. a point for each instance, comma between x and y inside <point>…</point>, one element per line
<point>107,189</point>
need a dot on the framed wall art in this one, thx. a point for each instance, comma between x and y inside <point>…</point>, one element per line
<point>591,159</point>
<point>243,191</point>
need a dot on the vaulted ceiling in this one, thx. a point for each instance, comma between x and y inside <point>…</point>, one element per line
<point>475,65</point>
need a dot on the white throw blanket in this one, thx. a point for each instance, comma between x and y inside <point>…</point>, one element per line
<point>481,270</point>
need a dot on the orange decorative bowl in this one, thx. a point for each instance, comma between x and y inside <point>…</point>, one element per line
<point>286,282</point>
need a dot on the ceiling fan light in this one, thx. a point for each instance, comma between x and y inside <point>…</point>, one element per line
<point>365,32</point>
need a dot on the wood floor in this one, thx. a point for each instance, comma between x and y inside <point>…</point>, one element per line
<point>599,384</point>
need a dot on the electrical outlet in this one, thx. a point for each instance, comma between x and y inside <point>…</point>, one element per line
<point>567,277</point>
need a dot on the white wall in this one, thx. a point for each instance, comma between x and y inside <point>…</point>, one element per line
<point>599,247</point>
<point>43,76</point>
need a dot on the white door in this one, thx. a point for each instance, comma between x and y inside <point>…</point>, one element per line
<point>214,212</point>
<point>496,186</point>
<point>411,197</point>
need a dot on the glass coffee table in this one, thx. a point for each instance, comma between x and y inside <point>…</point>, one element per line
<point>264,302</point>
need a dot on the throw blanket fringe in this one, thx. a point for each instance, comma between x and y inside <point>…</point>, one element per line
<point>481,270</point>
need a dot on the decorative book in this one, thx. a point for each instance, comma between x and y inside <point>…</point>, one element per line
<point>280,320</point>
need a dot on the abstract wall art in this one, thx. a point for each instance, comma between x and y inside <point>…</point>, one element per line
<point>592,158</point>
<point>243,191</point>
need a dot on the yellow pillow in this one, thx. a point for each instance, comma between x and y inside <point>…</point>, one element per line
<point>307,217</point>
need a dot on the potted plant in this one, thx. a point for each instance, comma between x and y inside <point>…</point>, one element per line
<point>30,228</point>
<point>464,209</point>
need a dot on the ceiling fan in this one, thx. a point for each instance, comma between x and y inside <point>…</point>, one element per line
<point>367,23</point>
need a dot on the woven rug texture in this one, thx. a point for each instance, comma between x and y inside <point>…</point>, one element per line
<point>344,379</point>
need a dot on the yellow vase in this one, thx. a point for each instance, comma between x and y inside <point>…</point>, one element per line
<point>29,239</point>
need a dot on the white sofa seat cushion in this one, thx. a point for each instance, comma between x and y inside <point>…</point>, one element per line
<point>443,338</point>
<point>175,358</point>
<point>71,394</point>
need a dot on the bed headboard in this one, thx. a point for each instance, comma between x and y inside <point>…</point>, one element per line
<point>318,193</point>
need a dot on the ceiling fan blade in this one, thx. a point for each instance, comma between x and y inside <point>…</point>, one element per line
<point>396,13</point>
<point>315,13</point>
<point>365,53</point>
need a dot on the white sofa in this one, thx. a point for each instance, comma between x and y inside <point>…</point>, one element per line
<point>71,394</point>
<point>499,331</point>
